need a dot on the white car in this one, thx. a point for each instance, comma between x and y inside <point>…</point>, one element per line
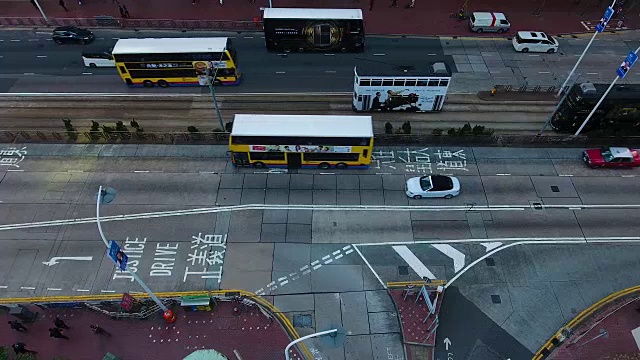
<point>534,41</point>
<point>433,186</point>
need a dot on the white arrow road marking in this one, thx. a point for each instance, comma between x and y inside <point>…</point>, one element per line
<point>447,343</point>
<point>490,245</point>
<point>450,251</point>
<point>413,261</point>
<point>56,260</point>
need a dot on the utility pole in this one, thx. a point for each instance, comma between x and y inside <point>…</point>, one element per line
<point>212,90</point>
<point>41,11</point>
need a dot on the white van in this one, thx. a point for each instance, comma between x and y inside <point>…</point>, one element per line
<point>534,41</point>
<point>489,22</point>
<point>98,59</point>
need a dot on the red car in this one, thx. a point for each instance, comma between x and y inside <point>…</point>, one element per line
<point>613,157</point>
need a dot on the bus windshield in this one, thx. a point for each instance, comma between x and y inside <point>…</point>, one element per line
<point>176,61</point>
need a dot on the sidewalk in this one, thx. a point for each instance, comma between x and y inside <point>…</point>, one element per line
<point>251,334</point>
<point>607,335</point>
<point>427,18</point>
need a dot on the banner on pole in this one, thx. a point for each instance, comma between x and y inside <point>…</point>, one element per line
<point>602,24</point>
<point>627,64</point>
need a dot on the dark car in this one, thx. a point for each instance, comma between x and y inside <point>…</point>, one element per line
<point>72,34</point>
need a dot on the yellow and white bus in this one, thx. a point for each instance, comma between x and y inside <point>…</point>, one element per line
<point>176,61</point>
<point>295,141</point>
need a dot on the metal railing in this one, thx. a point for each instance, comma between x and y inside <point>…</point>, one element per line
<point>525,88</point>
<point>112,22</point>
<point>222,138</point>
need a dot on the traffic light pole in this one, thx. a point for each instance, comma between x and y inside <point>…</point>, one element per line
<point>581,56</point>
<point>133,274</point>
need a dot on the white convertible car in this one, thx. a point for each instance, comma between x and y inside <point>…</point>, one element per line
<point>433,186</point>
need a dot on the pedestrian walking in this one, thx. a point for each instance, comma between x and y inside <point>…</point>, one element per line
<point>99,330</point>
<point>122,15</point>
<point>17,326</point>
<point>60,324</point>
<point>61,3</point>
<point>57,333</point>
<point>126,12</point>
<point>21,348</point>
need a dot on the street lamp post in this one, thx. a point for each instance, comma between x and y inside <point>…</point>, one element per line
<point>41,11</point>
<point>286,350</point>
<point>106,196</point>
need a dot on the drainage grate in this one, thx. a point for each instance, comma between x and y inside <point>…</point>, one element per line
<point>555,188</point>
<point>496,299</point>
<point>403,270</point>
<point>302,320</point>
<point>490,261</point>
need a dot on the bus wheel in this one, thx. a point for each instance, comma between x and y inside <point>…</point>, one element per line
<point>258,165</point>
<point>163,83</point>
<point>147,83</point>
<point>344,49</point>
<point>301,49</point>
<point>324,166</point>
<point>525,50</point>
<point>341,166</point>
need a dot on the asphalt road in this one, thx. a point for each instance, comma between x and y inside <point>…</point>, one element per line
<point>31,62</point>
<point>520,273</point>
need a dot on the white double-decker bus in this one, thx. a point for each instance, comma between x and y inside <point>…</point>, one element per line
<point>385,87</point>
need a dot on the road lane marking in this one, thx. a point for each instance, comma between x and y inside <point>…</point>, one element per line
<point>335,252</point>
<point>317,267</point>
<point>378,55</point>
<point>491,245</point>
<point>34,39</point>
<point>330,71</point>
<point>328,261</point>
<point>54,289</point>
<point>575,208</point>
<point>29,73</point>
<point>453,253</point>
<point>280,72</point>
<point>329,54</point>
<point>543,72</point>
<point>304,268</point>
<point>248,37</point>
<point>15,40</point>
<point>284,283</point>
<point>413,262</point>
<point>140,171</point>
<point>87,73</point>
<point>18,170</point>
<point>519,239</point>
<point>592,73</point>
<point>568,175</point>
<point>315,262</point>
<point>107,291</point>
<point>3,286</point>
<point>339,256</point>
<point>282,278</point>
<point>326,257</point>
<point>83,290</point>
<point>27,288</point>
<point>503,174</point>
<point>348,252</point>
<point>432,54</point>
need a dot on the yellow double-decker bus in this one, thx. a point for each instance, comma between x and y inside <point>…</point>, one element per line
<point>176,61</point>
<point>296,141</point>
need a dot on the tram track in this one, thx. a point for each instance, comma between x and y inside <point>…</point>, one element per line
<point>176,113</point>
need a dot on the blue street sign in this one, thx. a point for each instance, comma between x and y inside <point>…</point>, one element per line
<point>117,256</point>
<point>627,64</point>
<point>605,19</point>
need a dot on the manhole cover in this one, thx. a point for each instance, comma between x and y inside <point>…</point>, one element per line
<point>403,270</point>
<point>496,299</point>
<point>490,261</point>
<point>302,320</point>
<point>555,188</point>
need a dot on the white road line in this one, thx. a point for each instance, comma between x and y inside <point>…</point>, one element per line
<point>3,286</point>
<point>328,261</point>
<point>336,252</point>
<point>592,73</point>
<point>29,74</point>
<point>115,38</point>
<point>519,239</point>
<point>140,171</point>
<point>260,290</point>
<point>346,252</point>
<point>15,40</point>
<point>432,54</point>
<point>107,291</point>
<point>306,272</point>
<point>317,267</point>
<point>575,208</point>
<point>54,289</point>
<point>27,288</point>
<point>453,253</point>
<point>346,247</point>
<point>383,173</point>
<point>330,71</point>
<point>304,268</point>
<point>503,174</point>
<point>339,256</point>
<point>271,284</point>
<point>329,54</point>
<point>83,290</point>
<point>326,257</point>
<point>413,261</point>
<point>282,278</point>
<point>248,37</point>
<point>207,172</point>
<point>534,55</point>
<point>543,72</point>
<point>313,263</point>
<point>284,283</point>
<point>41,56</point>
<point>370,267</point>
<point>628,176</point>
<point>491,245</point>
<point>327,173</point>
<point>18,170</point>
<point>280,72</point>
<point>566,175</point>
<point>75,171</point>
<point>378,54</point>
<point>87,73</point>
<point>281,54</point>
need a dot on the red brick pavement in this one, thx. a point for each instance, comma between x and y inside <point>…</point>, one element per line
<point>252,334</point>
<point>617,344</point>
<point>429,17</point>
<point>412,315</point>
